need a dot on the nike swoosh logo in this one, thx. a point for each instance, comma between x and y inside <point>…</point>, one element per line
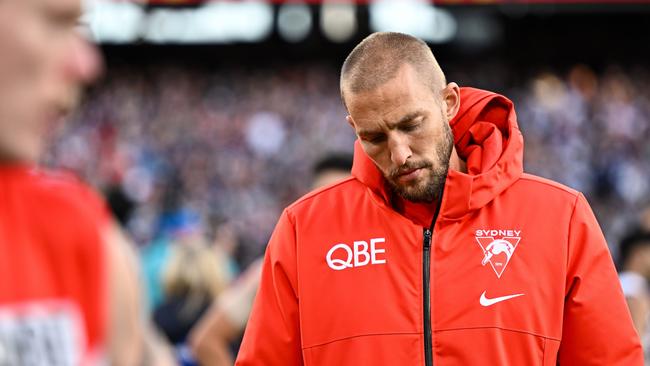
<point>488,302</point>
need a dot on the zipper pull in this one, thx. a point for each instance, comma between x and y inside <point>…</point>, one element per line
<point>427,238</point>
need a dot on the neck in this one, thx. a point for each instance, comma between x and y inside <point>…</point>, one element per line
<point>421,213</point>
<point>9,158</point>
<point>456,163</point>
<point>8,162</point>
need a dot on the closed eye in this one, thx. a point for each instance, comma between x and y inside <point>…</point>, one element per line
<point>410,127</point>
<point>375,139</point>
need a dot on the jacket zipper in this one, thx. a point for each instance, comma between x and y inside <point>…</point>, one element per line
<point>426,261</point>
<point>426,283</point>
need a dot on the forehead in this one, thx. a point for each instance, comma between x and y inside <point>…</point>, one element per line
<point>400,94</point>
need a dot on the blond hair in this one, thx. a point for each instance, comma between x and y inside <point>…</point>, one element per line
<point>194,272</point>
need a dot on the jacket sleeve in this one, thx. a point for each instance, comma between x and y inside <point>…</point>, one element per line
<point>272,335</point>
<point>597,328</point>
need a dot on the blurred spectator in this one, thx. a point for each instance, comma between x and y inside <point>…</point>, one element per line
<point>174,226</point>
<point>120,204</point>
<point>634,262</point>
<point>331,168</point>
<point>226,245</point>
<point>645,219</point>
<point>192,280</point>
<point>223,325</point>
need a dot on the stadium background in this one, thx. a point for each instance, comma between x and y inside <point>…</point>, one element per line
<point>210,115</point>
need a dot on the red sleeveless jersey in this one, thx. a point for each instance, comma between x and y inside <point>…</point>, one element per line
<point>52,269</point>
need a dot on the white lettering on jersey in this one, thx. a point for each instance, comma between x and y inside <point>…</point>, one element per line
<point>41,333</point>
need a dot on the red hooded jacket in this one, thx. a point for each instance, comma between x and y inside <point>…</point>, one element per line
<point>516,270</point>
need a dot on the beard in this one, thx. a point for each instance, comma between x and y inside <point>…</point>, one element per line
<point>429,187</point>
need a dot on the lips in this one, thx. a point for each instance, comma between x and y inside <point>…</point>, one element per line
<point>409,174</point>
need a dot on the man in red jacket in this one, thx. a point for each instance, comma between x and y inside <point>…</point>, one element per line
<point>438,250</point>
<point>68,286</point>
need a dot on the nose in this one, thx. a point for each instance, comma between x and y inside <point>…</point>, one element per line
<point>399,150</point>
<point>84,63</point>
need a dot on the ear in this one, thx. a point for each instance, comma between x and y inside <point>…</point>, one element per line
<point>350,121</point>
<point>451,98</point>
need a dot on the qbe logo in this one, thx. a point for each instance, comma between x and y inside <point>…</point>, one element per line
<point>342,256</point>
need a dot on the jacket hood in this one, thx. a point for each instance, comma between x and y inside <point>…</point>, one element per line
<point>487,138</point>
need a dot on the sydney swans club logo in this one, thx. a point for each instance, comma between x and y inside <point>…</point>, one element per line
<point>498,247</point>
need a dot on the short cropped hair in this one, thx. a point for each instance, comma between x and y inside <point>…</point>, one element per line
<point>638,238</point>
<point>334,161</point>
<point>377,59</point>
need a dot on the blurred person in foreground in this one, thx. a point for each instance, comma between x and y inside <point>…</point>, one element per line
<point>634,259</point>
<point>212,337</point>
<point>68,284</point>
<point>439,249</point>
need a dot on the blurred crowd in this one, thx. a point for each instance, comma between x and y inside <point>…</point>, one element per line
<point>212,156</point>
<point>591,133</point>
<point>197,149</point>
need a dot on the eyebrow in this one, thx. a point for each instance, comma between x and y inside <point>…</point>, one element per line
<point>391,125</point>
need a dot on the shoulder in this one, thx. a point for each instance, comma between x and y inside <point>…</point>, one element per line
<point>61,185</point>
<point>547,186</point>
<point>329,195</point>
<point>544,195</point>
<point>545,192</point>
<point>61,193</point>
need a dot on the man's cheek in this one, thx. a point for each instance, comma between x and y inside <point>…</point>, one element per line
<point>380,159</point>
